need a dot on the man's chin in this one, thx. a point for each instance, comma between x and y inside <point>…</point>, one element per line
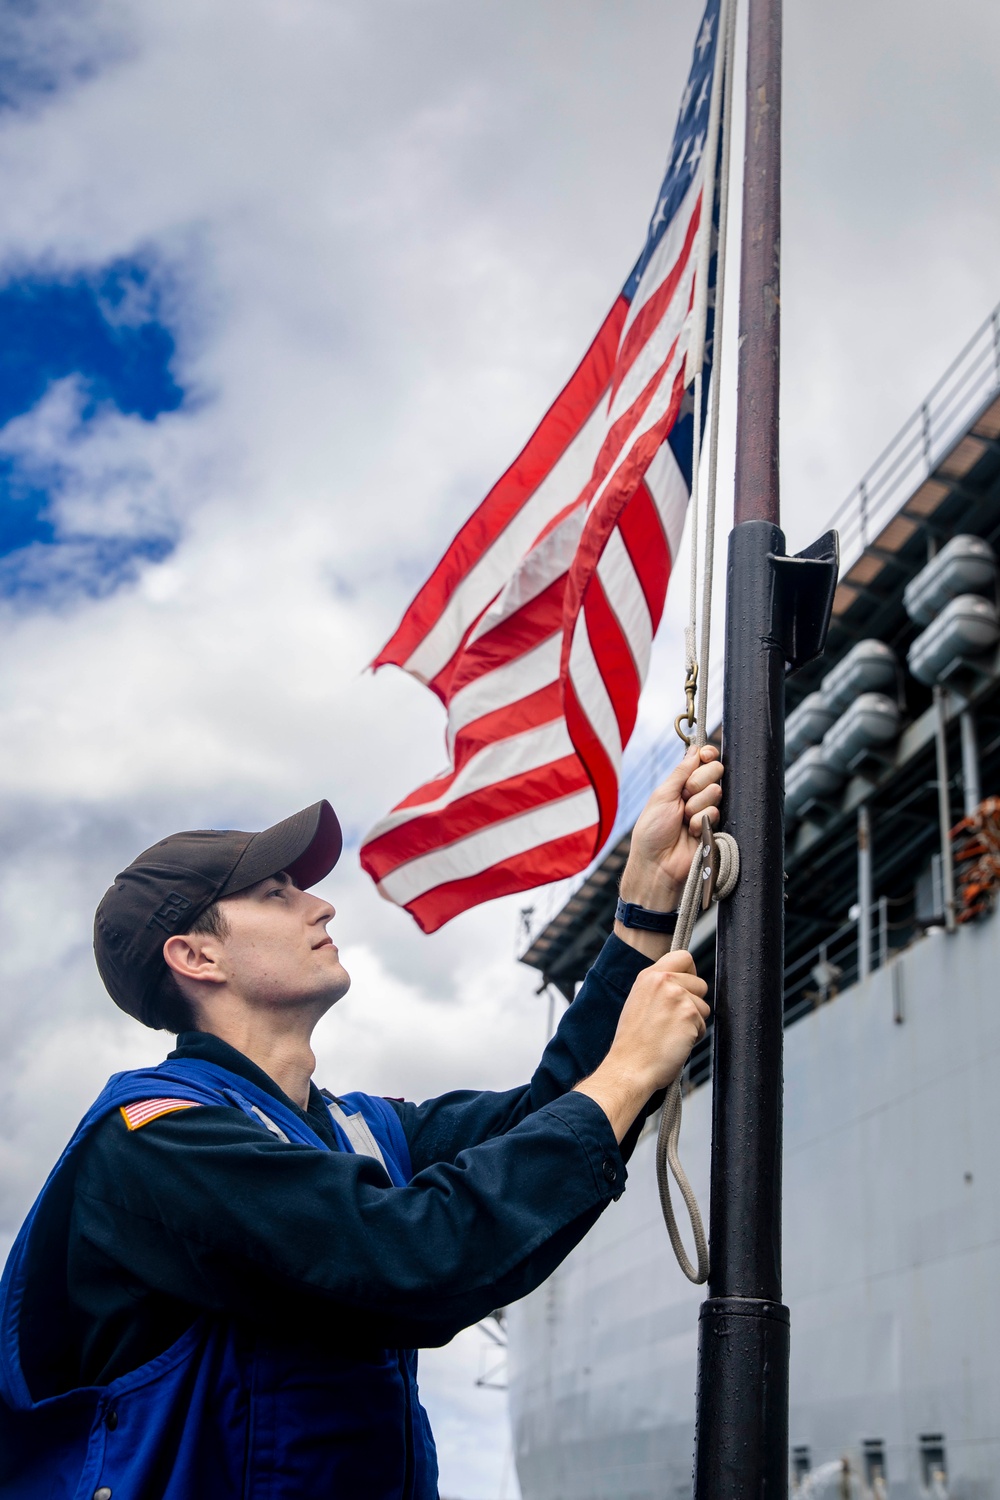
<point>336,987</point>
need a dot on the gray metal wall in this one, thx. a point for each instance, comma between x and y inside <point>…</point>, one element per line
<point>892,1259</point>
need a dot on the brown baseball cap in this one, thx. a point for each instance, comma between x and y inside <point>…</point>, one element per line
<point>166,889</point>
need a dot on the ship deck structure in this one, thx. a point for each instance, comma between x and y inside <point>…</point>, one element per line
<point>892,1042</point>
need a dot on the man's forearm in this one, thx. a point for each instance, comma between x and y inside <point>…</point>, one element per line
<point>439,1129</point>
<point>621,1096</point>
<point>645,886</point>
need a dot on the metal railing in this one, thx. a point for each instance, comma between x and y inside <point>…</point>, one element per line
<point>832,965</point>
<point>921,442</point>
<point>902,466</point>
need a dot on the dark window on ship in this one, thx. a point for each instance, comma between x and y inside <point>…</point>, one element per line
<point>873,1452</point>
<point>801,1465</point>
<point>933,1469</point>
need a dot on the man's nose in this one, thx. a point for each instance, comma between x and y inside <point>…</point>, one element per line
<point>324,911</point>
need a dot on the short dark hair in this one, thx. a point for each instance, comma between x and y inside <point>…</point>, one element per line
<point>170,1009</point>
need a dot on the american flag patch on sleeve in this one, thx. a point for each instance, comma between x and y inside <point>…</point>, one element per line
<point>137,1115</point>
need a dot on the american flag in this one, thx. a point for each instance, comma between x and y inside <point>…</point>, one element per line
<point>535,628</point>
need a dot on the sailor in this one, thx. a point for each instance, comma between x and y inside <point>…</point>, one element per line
<point>221,1288</point>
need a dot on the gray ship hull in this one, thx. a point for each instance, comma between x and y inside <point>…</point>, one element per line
<point>892,1264</point>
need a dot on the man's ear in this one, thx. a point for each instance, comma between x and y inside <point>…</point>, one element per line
<point>192,958</point>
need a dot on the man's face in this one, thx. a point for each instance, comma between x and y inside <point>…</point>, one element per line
<point>277,952</point>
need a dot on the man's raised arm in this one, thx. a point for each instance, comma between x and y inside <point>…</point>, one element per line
<point>664,841</point>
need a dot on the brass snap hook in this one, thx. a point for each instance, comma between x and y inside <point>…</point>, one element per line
<point>687,717</point>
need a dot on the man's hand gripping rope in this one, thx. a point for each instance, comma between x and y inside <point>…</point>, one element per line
<point>665,1013</point>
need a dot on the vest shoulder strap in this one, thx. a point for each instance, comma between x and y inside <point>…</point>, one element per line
<point>355,1127</point>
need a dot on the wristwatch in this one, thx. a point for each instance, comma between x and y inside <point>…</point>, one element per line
<point>630,914</point>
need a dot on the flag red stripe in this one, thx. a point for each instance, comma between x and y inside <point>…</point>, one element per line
<point>533,623</point>
<point>614,658</point>
<point>503,799</point>
<point>651,312</point>
<point>535,867</point>
<point>530,712</point>
<point>646,544</point>
<point>619,433</point>
<point>603,775</point>
<point>614,499</point>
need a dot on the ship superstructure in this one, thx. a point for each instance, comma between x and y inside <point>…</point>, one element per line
<point>892,1047</point>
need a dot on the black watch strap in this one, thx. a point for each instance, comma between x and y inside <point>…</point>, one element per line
<point>630,914</point>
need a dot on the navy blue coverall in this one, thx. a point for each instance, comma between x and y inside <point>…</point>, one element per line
<point>202,1214</point>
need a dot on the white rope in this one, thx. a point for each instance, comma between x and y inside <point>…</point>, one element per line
<point>729,42</point>
<point>697,656</point>
<point>670,1118</point>
<point>690,630</point>
<point>696,660</point>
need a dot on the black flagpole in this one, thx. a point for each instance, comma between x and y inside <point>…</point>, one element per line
<point>741,1447</point>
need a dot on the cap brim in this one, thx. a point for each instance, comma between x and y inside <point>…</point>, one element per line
<point>307,845</point>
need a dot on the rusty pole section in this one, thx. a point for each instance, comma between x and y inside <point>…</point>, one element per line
<point>760,305</point>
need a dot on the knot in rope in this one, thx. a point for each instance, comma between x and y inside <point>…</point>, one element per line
<point>667,1156</point>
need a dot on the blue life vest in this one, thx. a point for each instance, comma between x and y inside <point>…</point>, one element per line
<point>223,1412</point>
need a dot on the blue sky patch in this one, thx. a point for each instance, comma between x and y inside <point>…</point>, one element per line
<point>106,330</point>
<point>103,326</point>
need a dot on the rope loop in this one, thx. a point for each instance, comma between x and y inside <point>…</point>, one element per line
<point>729,865</point>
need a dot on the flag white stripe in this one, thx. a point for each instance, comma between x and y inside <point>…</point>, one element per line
<point>666,253</point>
<point>500,841</point>
<point>560,487</point>
<point>658,404</point>
<point>547,561</point>
<point>624,592</point>
<point>675,324</point>
<point>669,490</point>
<point>505,685</point>
<point>495,762</point>
<point>592,692</point>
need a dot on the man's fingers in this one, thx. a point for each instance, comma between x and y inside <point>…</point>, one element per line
<point>702,776</point>
<point>699,768</point>
<point>679,968</point>
<point>711,813</point>
<point>680,962</point>
<point>710,797</point>
<point>696,988</point>
<point>674,786</point>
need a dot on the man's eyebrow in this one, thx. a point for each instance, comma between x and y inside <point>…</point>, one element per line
<point>280,878</point>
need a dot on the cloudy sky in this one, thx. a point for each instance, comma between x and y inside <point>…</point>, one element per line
<point>284,285</point>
